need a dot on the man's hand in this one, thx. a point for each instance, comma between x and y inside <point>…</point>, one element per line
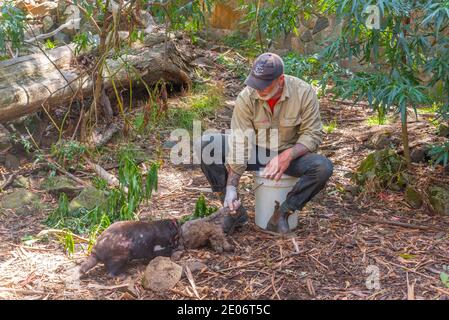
<point>230,199</point>
<point>279,164</point>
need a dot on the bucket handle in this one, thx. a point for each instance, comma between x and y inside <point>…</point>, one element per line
<point>257,186</point>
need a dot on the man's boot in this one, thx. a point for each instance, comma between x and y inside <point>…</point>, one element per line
<point>279,220</point>
<point>232,221</point>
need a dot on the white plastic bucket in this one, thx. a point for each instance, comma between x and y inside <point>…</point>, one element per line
<point>268,191</point>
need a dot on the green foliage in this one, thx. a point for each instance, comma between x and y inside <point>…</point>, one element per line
<point>79,221</point>
<point>201,104</point>
<point>384,168</point>
<point>440,153</point>
<point>136,35</point>
<point>69,243</point>
<point>183,15</point>
<point>139,123</point>
<point>330,127</point>
<point>23,140</point>
<point>104,223</point>
<point>201,210</point>
<point>410,41</point>
<point>375,120</point>
<point>49,44</point>
<point>182,117</point>
<point>313,69</point>
<point>68,152</point>
<point>12,26</point>
<point>444,277</point>
<point>99,183</point>
<point>151,180</point>
<point>306,68</point>
<point>120,205</point>
<point>83,41</point>
<point>206,103</point>
<point>29,240</point>
<point>443,112</point>
<point>236,67</point>
<point>378,119</point>
<point>432,109</point>
<point>131,178</point>
<point>245,45</point>
<point>273,18</point>
<point>394,56</point>
<point>383,92</point>
<point>57,216</point>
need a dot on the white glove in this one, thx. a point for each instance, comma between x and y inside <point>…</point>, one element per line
<point>230,199</point>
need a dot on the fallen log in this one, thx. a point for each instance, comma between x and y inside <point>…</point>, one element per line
<point>102,173</point>
<point>31,82</point>
<point>100,138</point>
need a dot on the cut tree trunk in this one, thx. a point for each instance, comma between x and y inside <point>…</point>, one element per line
<point>31,82</point>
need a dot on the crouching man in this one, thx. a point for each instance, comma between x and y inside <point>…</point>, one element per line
<point>271,105</point>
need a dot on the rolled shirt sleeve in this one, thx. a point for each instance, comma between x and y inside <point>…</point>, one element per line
<point>241,124</point>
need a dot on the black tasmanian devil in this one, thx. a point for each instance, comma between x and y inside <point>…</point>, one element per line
<point>127,240</point>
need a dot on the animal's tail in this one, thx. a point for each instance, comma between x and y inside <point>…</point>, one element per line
<point>88,264</point>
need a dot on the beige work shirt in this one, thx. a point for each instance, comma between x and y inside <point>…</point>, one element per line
<point>296,116</point>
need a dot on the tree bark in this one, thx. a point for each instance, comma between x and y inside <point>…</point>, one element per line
<point>31,82</point>
<point>404,134</point>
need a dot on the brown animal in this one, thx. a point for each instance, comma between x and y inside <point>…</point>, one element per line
<point>127,240</point>
<point>201,233</point>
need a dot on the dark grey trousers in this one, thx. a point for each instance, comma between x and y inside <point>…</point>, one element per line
<point>313,170</point>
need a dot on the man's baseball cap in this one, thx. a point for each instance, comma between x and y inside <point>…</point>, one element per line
<point>266,68</point>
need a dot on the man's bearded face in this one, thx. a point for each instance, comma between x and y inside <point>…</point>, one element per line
<point>270,91</point>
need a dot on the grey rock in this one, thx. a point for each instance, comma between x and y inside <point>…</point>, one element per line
<point>161,274</point>
<point>47,23</point>
<point>411,116</point>
<point>413,197</point>
<point>310,22</point>
<point>194,266</point>
<point>61,184</point>
<point>21,182</point>
<point>169,144</point>
<point>89,198</point>
<point>439,199</point>
<point>5,137</point>
<point>321,24</point>
<point>202,62</point>
<point>176,256</point>
<point>352,189</point>
<point>11,162</point>
<point>63,38</point>
<point>21,201</point>
<point>306,36</point>
<point>443,130</point>
<point>419,154</point>
<point>380,140</point>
